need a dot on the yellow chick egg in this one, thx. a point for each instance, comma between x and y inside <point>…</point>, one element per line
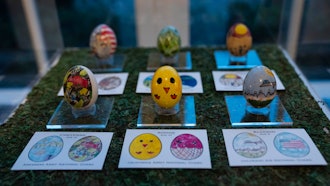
<point>145,146</point>
<point>166,87</point>
<point>239,39</point>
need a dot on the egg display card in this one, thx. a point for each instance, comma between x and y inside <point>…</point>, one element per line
<point>191,82</point>
<point>222,59</point>
<point>271,147</point>
<point>108,83</point>
<point>165,148</point>
<point>64,151</point>
<point>233,80</point>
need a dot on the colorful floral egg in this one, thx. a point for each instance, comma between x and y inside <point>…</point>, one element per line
<point>103,42</point>
<point>80,87</point>
<point>239,39</point>
<point>169,41</point>
<point>166,87</point>
<point>259,86</point>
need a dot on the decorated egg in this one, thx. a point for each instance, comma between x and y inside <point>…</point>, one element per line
<point>169,41</point>
<point>80,87</point>
<point>259,86</point>
<point>166,87</point>
<point>239,39</point>
<point>103,42</point>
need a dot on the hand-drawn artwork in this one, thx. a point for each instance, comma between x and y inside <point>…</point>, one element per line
<point>186,147</point>
<point>249,145</point>
<point>103,41</point>
<point>291,145</point>
<point>46,149</point>
<point>85,149</point>
<point>109,83</point>
<point>147,81</point>
<point>259,87</point>
<point>231,79</point>
<point>169,41</point>
<point>188,81</point>
<point>239,39</point>
<point>145,146</point>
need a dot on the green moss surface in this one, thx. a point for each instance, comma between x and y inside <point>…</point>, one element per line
<point>211,114</point>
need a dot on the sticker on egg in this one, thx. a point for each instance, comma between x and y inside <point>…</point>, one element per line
<point>103,41</point>
<point>259,86</point>
<point>80,87</point>
<point>166,87</point>
<point>169,41</point>
<point>239,39</point>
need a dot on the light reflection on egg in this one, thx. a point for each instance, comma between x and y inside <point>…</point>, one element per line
<point>259,87</point>
<point>166,87</point>
<point>169,41</point>
<point>80,87</point>
<point>239,39</point>
<point>103,41</point>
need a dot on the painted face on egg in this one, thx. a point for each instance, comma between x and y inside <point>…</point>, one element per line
<point>80,87</point>
<point>169,41</point>
<point>239,39</point>
<point>259,87</point>
<point>166,87</point>
<point>145,146</point>
<point>103,41</point>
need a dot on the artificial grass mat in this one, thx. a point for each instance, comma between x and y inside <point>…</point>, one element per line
<point>211,114</point>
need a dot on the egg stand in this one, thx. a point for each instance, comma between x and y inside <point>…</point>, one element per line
<point>180,61</point>
<point>224,60</point>
<point>242,115</point>
<point>182,115</point>
<point>96,116</point>
<point>114,63</point>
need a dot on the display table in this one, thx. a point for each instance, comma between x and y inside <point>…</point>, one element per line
<point>211,114</point>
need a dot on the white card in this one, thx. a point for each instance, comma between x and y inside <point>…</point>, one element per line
<point>108,83</point>
<point>153,148</point>
<point>271,147</point>
<point>64,151</point>
<point>233,80</point>
<point>191,82</point>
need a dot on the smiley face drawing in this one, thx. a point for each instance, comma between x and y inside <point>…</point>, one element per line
<point>166,87</point>
<point>145,146</point>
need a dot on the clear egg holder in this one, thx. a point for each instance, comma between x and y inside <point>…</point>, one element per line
<point>242,114</point>
<point>181,115</point>
<point>224,60</point>
<point>114,63</point>
<point>95,116</point>
<point>180,61</point>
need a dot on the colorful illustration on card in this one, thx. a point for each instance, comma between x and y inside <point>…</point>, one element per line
<point>85,149</point>
<point>291,145</point>
<point>147,81</point>
<point>188,81</point>
<point>109,83</point>
<point>249,145</point>
<point>186,147</point>
<point>46,149</point>
<point>145,146</point>
<point>232,80</point>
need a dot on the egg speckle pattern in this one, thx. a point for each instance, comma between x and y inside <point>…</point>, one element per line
<point>80,87</point>
<point>103,41</point>
<point>259,87</point>
<point>166,87</point>
<point>169,41</point>
<point>239,39</point>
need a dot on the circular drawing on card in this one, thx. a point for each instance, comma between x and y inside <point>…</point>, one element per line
<point>109,83</point>
<point>291,145</point>
<point>147,81</point>
<point>145,146</point>
<point>232,80</point>
<point>249,145</point>
<point>188,81</point>
<point>46,149</point>
<point>186,147</point>
<point>85,149</point>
